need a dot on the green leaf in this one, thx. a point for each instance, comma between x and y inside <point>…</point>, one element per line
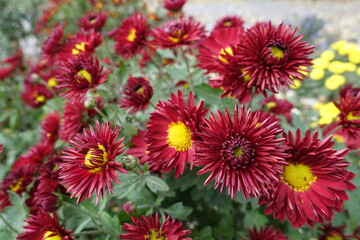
<point>110,225</point>
<point>128,183</point>
<point>254,218</point>
<point>209,94</point>
<point>156,184</point>
<point>178,211</point>
<point>166,53</point>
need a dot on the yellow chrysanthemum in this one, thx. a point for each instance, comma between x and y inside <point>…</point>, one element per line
<point>335,81</point>
<point>320,63</point>
<point>339,44</point>
<point>337,67</point>
<point>327,55</point>
<point>328,112</point>
<point>317,74</point>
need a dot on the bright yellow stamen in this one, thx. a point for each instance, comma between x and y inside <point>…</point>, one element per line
<point>298,177</point>
<point>140,91</point>
<point>334,237</point>
<point>277,52</point>
<point>91,159</point>
<point>154,235</point>
<point>338,138</point>
<point>54,237</point>
<point>223,52</point>
<point>179,136</point>
<point>238,151</point>
<point>48,135</point>
<point>52,82</point>
<point>352,117</point>
<point>17,185</point>
<point>85,74</point>
<point>271,105</point>
<point>227,24</point>
<point>132,35</point>
<point>40,99</point>
<point>176,36</point>
<point>79,47</point>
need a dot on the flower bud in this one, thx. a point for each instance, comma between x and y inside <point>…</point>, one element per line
<point>130,162</point>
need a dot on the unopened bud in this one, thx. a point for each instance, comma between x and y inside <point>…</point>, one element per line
<point>130,162</point>
<point>90,100</point>
<point>129,207</point>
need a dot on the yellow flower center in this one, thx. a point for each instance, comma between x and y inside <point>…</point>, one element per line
<point>276,51</point>
<point>223,52</point>
<point>154,235</point>
<point>39,98</point>
<point>177,36</point>
<point>238,151</point>
<point>334,237</point>
<point>17,185</point>
<point>132,35</point>
<point>52,82</point>
<point>298,177</point>
<point>227,23</point>
<point>79,47</point>
<point>271,105</point>
<point>85,74</point>
<point>54,237</point>
<point>92,158</point>
<point>352,117</point>
<point>179,136</point>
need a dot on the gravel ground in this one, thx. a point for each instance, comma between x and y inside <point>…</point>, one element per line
<point>341,17</point>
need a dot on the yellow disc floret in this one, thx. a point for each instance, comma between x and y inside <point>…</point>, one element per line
<point>85,74</point>
<point>154,235</point>
<point>179,136</point>
<point>92,159</point>
<point>223,52</point>
<point>298,177</point>
<point>132,35</point>
<point>277,52</point>
<point>79,47</point>
<point>53,237</point>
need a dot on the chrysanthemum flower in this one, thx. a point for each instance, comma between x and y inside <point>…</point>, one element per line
<point>137,94</point>
<point>35,94</point>
<point>16,181</point>
<point>53,44</point>
<point>213,49</point>
<point>268,233</point>
<point>90,164</point>
<point>229,22</point>
<point>174,5</point>
<point>150,228</point>
<point>278,107</point>
<point>273,56</point>
<point>11,64</point>
<point>81,42</point>
<point>240,152</point>
<point>138,148</point>
<point>171,133</point>
<point>312,185</point>
<point>131,35</point>
<point>50,127</point>
<point>42,226</point>
<point>332,233</point>
<point>92,21</point>
<point>36,155</point>
<point>175,33</point>
<point>79,74</point>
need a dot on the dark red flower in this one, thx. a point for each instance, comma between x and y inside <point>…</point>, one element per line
<point>273,56</point>
<point>36,155</point>
<point>81,42</point>
<point>330,232</point>
<point>174,5</point>
<point>268,233</point>
<point>92,21</point>
<point>213,49</point>
<point>138,93</point>
<point>229,22</point>
<point>241,153</point>
<point>17,180</point>
<point>131,35</point>
<point>138,148</point>
<point>90,164</point>
<point>50,127</point>
<point>313,183</point>
<point>79,74</point>
<point>43,226</point>
<point>11,64</point>
<point>176,33</point>
<point>149,228</point>
<point>35,94</point>
<point>278,107</point>
<point>171,132</point>
<point>53,44</point>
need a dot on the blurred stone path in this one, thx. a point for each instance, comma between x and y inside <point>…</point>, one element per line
<point>342,17</point>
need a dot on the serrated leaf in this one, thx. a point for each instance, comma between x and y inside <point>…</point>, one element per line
<point>209,94</point>
<point>178,211</point>
<point>156,184</point>
<point>110,225</point>
<point>254,218</point>
<point>166,53</point>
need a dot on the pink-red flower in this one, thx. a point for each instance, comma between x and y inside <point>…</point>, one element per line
<point>35,94</point>
<point>89,165</point>
<point>53,44</point>
<point>50,127</point>
<point>273,56</point>
<point>43,226</point>
<point>176,33</point>
<point>131,35</point>
<point>174,5</point>
<point>79,74</point>
<point>241,152</point>
<point>278,107</point>
<point>171,132</point>
<point>330,232</point>
<point>268,233</point>
<point>138,148</point>
<point>92,21</point>
<point>312,185</point>
<point>229,22</point>
<point>150,228</point>
<point>137,94</point>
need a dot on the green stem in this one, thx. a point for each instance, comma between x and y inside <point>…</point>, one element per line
<point>120,123</point>
<point>91,232</point>
<point>93,217</point>
<point>8,224</point>
<point>187,67</point>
